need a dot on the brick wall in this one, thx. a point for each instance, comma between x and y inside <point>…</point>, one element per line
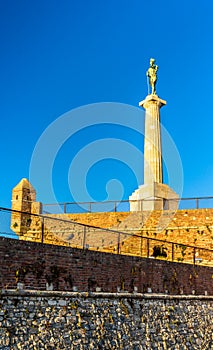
<point>35,264</point>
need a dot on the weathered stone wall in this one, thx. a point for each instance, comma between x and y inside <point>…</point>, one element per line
<point>188,227</point>
<point>192,227</point>
<point>36,264</point>
<point>78,321</point>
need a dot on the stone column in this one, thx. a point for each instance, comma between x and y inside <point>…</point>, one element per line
<point>153,194</point>
<point>152,143</point>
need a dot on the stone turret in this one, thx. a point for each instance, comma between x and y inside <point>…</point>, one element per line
<point>23,195</point>
<point>24,201</point>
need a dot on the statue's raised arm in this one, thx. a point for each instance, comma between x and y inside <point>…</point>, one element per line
<point>152,74</point>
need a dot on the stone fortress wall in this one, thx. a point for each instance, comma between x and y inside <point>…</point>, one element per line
<point>133,235</point>
<point>102,300</point>
<point>78,321</point>
<point>192,227</point>
<point>120,301</point>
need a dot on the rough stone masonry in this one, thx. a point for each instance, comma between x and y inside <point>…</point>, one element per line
<point>78,321</point>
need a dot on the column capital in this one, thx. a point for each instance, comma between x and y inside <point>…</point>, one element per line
<point>150,99</point>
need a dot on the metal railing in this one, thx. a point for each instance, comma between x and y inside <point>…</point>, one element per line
<point>124,205</point>
<point>47,229</point>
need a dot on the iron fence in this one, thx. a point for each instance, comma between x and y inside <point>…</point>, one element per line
<point>123,205</point>
<point>47,229</point>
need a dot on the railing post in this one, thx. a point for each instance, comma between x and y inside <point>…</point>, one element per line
<point>42,230</point>
<point>172,251</point>
<point>65,208</point>
<point>147,247</point>
<point>115,207</point>
<point>84,237</point>
<point>197,203</point>
<point>119,240</point>
<point>89,207</point>
<point>194,254</point>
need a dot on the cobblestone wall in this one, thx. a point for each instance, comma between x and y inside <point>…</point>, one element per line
<point>78,321</point>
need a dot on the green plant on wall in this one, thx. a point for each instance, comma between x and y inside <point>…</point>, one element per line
<point>38,269</point>
<point>159,251</point>
<point>20,274</point>
<point>180,259</point>
<point>133,270</point>
<point>28,222</point>
<point>122,283</point>
<point>54,275</point>
<point>208,228</point>
<point>183,250</point>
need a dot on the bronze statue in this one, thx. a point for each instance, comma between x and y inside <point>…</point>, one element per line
<point>152,74</point>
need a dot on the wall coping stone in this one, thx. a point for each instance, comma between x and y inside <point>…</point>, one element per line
<point>123,295</point>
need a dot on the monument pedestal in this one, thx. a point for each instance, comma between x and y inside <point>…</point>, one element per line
<point>154,196</point>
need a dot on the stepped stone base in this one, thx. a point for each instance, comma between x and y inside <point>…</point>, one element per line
<point>156,196</point>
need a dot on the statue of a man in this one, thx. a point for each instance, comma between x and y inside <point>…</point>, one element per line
<point>152,74</point>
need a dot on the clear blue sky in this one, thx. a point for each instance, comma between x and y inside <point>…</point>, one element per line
<point>59,55</point>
